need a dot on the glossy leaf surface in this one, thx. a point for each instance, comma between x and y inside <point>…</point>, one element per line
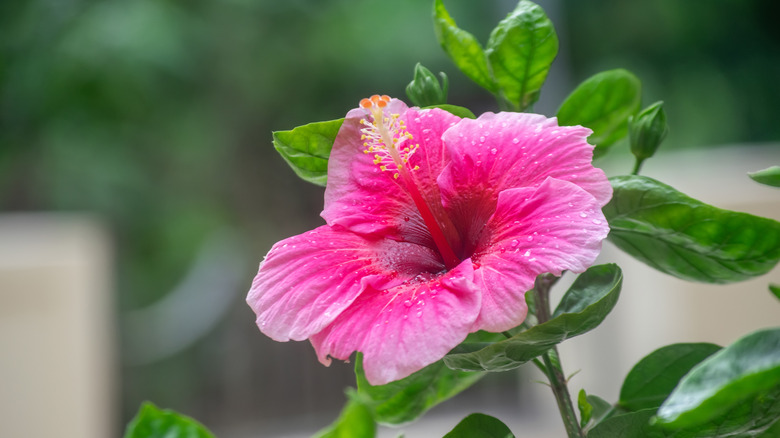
<point>520,51</point>
<point>654,377</point>
<point>307,148</point>
<point>405,400</point>
<point>480,426</point>
<point>687,238</point>
<point>462,47</point>
<point>583,307</point>
<point>153,422</point>
<point>746,370</point>
<point>603,103</point>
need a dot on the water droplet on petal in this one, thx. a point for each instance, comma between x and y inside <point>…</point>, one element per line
<point>493,151</point>
<point>530,238</point>
<point>416,120</point>
<point>515,140</point>
<point>527,253</point>
<point>408,303</point>
<point>481,139</point>
<point>596,221</point>
<point>583,214</point>
<point>515,243</point>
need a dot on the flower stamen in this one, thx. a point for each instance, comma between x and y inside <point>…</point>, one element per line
<point>386,137</point>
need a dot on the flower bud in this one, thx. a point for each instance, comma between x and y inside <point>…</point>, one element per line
<point>425,89</point>
<point>647,130</point>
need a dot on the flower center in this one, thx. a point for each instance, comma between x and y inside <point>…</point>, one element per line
<point>386,137</point>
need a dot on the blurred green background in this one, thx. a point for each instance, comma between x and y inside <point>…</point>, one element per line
<point>156,115</point>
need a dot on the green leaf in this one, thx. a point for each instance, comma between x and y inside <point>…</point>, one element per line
<point>775,289</point>
<point>355,421</point>
<point>769,176</point>
<point>771,432</point>
<point>406,399</point>
<point>461,46</point>
<point>459,111</point>
<point>603,103</point>
<point>733,424</point>
<point>654,377</point>
<point>634,424</point>
<point>583,307</point>
<point>520,51</point>
<point>480,426</point>
<point>307,148</point>
<point>586,409</point>
<point>687,238</point>
<point>730,378</point>
<point>153,422</point>
<point>602,409</point>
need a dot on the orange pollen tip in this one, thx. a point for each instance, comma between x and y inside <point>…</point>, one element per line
<point>375,101</point>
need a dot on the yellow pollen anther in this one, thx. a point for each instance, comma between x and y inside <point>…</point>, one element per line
<point>385,136</point>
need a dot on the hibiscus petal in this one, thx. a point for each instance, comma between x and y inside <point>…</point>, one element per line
<point>402,329</point>
<point>364,199</point>
<point>508,150</point>
<point>555,227</point>
<point>305,281</point>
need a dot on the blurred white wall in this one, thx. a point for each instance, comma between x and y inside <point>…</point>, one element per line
<point>56,328</point>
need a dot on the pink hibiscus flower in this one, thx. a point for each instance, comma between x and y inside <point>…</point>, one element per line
<point>436,227</point>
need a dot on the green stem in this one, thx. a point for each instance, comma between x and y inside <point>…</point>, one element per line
<point>552,363</point>
<point>637,166</point>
